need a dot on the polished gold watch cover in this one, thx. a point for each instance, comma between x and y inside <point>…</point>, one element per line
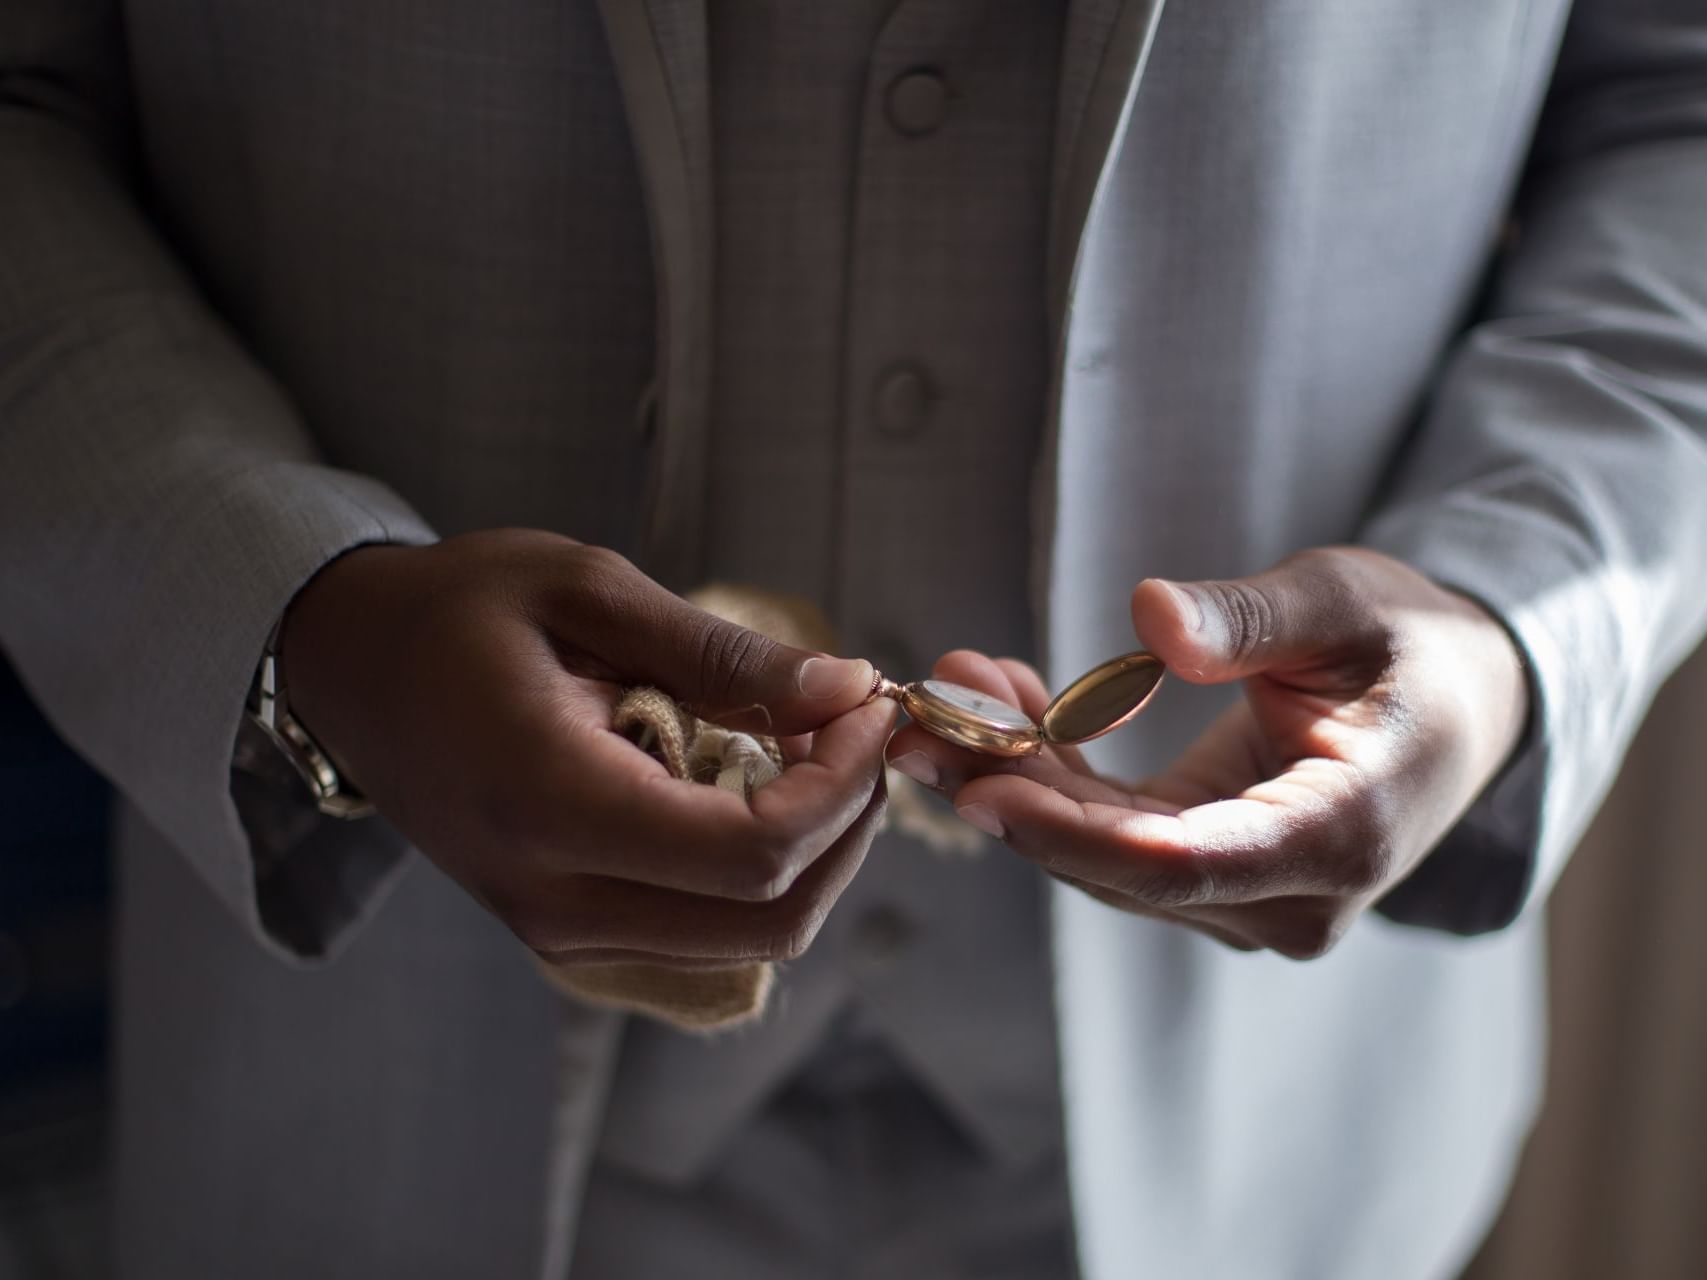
<point>1098,702</point>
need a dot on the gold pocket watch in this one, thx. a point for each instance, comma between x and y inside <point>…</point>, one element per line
<point>1098,702</point>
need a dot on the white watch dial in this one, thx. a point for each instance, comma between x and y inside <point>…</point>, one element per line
<point>993,710</point>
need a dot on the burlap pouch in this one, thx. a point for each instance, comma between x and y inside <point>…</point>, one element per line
<point>712,999</point>
<point>703,999</point>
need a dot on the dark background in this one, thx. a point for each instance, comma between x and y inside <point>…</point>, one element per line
<point>54,886</point>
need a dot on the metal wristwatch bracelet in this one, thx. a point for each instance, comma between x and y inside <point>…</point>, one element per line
<point>269,709</point>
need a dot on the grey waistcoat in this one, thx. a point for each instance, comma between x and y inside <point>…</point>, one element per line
<point>877,404</point>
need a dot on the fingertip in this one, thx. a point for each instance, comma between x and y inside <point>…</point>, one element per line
<point>1005,794</point>
<point>1031,695</point>
<point>1011,809</point>
<point>1168,622</point>
<point>816,691</point>
<point>918,766</point>
<point>910,738</point>
<point>949,765</point>
<point>975,670</point>
<point>1162,611</point>
<point>836,683</point>
<point>983,817</point>
<point>888,715</point>
<point>958,660</point>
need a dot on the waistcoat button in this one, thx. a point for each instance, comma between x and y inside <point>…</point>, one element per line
<point>902,402</point>
<point>917,103</point>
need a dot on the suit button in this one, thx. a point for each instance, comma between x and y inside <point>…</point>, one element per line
<point>917,103</point>
<point>902,402</point>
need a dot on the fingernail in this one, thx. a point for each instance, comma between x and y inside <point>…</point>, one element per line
<point>983,817</point>
<point>917,766</point>
<point>1190,612</point>
<point>829,677</point>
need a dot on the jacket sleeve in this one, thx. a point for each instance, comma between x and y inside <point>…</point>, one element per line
<point>1560,474</point>
<point>160,501</point>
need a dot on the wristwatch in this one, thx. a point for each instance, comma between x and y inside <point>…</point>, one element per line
<point>1098,702</point>
<point>269,710</point>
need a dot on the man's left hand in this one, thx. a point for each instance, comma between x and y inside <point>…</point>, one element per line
<point>1377,706</point>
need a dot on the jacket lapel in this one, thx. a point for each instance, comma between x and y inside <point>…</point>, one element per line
<point>1107,44</point>
<point>1104,49</point>
<point>659,47</point>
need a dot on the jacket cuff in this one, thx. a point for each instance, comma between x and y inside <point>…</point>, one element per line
<point>151,685</point>
<point>1481,874</point>
<point>317,877</point>
<point>307,881</point>
<point>1506,851</point>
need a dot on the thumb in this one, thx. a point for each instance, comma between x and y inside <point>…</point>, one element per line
<point>742,678</point>
<point>732,674</point>
<point>1310,611</point>
<point>639,633</point>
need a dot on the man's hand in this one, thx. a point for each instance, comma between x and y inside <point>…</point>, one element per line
<point>468,687</point>
<point>1377,706</point>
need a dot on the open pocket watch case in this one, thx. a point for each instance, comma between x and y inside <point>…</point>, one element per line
<point>1098,702</point>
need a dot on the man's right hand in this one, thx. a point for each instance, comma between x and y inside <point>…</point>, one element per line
<point>467,688</point>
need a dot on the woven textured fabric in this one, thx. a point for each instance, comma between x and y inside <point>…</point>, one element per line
<point>695,749</point>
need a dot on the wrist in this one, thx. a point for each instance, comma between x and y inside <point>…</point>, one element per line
<point>323,636</point>
<point>1502,703</point>
<point>292,745</point>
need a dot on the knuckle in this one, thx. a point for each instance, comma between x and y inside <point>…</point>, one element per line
<point>598,562</point>
<point>876,815</point>
<point>1302,947</point>
<point>591,583</point>
<point>541,931</point>
<point>1238,943</point>
<point>1332,573</point>
<point>955,660</point>
<point>764,872</point>
<point>1348,595</point>
<point>1308,930</point>
<point>1360,848</point>
<point>1169,890</point>
<point>794,934</point>
<point>1367,868</point>
<point>1323,566</point>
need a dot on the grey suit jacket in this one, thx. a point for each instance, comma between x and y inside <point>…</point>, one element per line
<point>277,280</point>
